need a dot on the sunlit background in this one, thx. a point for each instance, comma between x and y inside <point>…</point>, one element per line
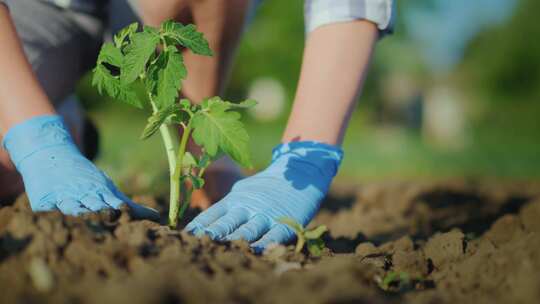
<point>453,93</point>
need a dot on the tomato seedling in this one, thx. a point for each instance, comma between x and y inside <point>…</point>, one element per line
<point>310,238</point>
<point>145,69</point>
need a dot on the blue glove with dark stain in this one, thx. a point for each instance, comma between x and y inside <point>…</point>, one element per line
<point>293,186</point>
<point>57,176</point>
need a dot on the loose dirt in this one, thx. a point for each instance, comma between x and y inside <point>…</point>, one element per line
<point>447,242</point>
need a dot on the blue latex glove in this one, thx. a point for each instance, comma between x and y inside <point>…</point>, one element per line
<point>292,186</point>
<point>57,176</point>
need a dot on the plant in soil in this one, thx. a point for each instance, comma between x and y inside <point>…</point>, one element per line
<point>394,278</point>
<point>311,238</point>
<point>145,69</point>
<point>401,281</point>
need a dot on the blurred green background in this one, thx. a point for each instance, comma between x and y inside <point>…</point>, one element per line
<point>453,93</point>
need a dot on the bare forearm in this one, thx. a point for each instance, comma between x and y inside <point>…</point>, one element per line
<point>21,96</point>
<point>336,59</point>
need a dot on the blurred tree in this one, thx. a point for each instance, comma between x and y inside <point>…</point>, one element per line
<point>271,47</point>
<point>504,62</point>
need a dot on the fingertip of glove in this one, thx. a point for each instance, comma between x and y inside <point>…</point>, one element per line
<point>195,229</point>
<point>113,201</point>
<point>212,234</point>
<point>258,248</point>
<point>94,204</point>
<point>71,207</point>
<point>44,206</point>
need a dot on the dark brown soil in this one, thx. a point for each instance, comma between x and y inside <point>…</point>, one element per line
<point>448,242</point>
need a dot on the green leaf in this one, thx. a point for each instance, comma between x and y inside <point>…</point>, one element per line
<point>152,78</point>
<point>170,77</point>
<point>169,27</point>
<point>214,101</point>
<point>187,36</point>
<point>111,85</point>
<point>185,103</point>
<point>401,278</point>
<point>315,247</point>
<point>154,123</point>
<point>110,54</point>
<point>128,94</point>
<point>293,224</point>
<point>300,242</point>
<point>196,182</point>
<point>142,46</point>
<point>150,30</point>
<point>391,277</point>
<point>405,277</point>
<point>298,229</point>
<point>316,232</point>
<point>158,62</point>
<point>181,117</point>
<point>189,161</point>
<point>124,33</point>
<point>246,104</point>
<point>104,81</point>
<point>204,161</point>
<point>160,117</point>
<point>217,129</point>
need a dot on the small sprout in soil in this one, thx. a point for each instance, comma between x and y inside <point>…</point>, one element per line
<point>394,278</point>
<point>145,69</point>
<point>400,281</point>
<point>311,238</point>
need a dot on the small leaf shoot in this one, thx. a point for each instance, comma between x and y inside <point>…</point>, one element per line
<point>309,238</point>
<point>401,279</point>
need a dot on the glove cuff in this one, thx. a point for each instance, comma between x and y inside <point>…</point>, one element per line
<point>325,157</point>
<point>34,135</point>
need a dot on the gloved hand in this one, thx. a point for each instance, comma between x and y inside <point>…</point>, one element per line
<point>292,186</point>
<point>57,176</point>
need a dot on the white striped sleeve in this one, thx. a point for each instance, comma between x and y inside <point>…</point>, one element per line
<point>321,12</point>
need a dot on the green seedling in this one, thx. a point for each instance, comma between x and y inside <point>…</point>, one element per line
<point>145,69</point>
<point>401,279</point>
<point>310,238</point>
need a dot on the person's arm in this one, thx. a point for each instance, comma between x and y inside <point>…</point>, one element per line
<point>335,62</point>
<point>56,175</point>
<point>21,96</point>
